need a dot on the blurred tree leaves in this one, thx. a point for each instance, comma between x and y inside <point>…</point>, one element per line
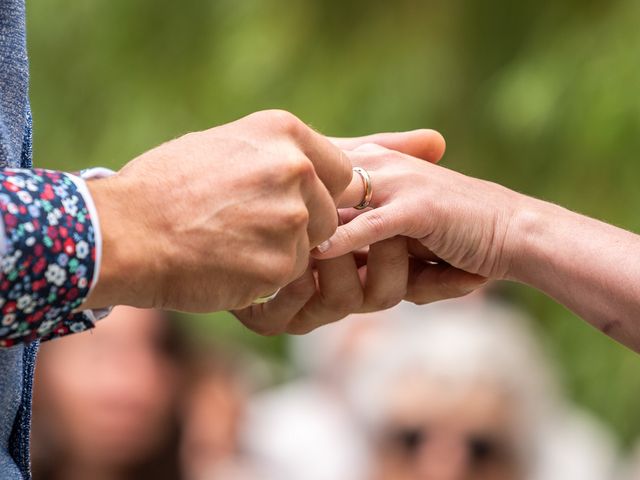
<point>541,96</point>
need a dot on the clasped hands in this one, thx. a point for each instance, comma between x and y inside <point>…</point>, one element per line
<point>375,259</point>
<point>214,219</point>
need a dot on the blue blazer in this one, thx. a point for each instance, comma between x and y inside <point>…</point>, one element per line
<point>16,363</point>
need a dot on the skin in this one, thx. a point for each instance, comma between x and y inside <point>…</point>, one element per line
<point>362,281</point>
<point>448,415</point>
<point>212,220</point>
<point>474,227</point>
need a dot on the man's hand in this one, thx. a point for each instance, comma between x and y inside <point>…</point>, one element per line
<point>214,219</point>
<point>332,289</point>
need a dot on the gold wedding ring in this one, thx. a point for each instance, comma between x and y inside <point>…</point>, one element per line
<point>266,298</point>
<point>368,188</point>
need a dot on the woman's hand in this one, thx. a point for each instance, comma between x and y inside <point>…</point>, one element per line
<point>472,229</point>
<point>459,220</point>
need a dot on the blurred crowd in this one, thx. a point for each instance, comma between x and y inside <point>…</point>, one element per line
<point>461,390</point>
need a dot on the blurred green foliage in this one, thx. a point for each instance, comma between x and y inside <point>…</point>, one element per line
<point>541,96</point>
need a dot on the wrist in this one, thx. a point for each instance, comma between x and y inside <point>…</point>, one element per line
<point>529,241</point>
<point>123,263</point>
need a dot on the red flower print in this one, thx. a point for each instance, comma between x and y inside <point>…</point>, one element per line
<point>40,265</point>
<point>47,192</point>
<point>69,247</point>
<point>72,294</point>
<point>10,221</point>
<point>9,307</point>
<point>12,187</point>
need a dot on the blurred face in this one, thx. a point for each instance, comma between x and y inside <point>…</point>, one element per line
<point>439,431</point>
<point>213,412</point>
<point>107,394</point>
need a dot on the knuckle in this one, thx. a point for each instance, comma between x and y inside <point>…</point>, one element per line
<point>290,269</point>
<point>376,223</point>
<point>284,171</point>
<point>299,167</point>
<point>284,264</point>
<point>296,219</point>
<point>292,168</point>
<point>294,128</point>
<point>273,274</point>
<point>285,121</point>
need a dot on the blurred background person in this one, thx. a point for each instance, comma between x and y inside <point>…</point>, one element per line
<point>105,404</point>
<point>219,383</point>
<point>463,391</point>
<point>456,391</point>
<point>300,430</point>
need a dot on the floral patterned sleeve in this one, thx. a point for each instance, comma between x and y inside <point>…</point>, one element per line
<point>48,254</point>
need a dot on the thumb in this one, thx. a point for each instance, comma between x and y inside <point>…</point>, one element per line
<point>426,144</point>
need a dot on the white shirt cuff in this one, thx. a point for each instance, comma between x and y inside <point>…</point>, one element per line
<point>81,185</point>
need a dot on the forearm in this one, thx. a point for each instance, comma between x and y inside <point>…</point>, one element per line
<point>589,266</point>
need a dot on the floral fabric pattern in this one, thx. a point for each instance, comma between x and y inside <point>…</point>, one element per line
<point>49,257</point>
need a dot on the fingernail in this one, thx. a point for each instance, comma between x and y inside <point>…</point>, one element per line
<point>324,246</point>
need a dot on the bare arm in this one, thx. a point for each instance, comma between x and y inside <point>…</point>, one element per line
<point>478,227</point>
<point>591,267</point>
